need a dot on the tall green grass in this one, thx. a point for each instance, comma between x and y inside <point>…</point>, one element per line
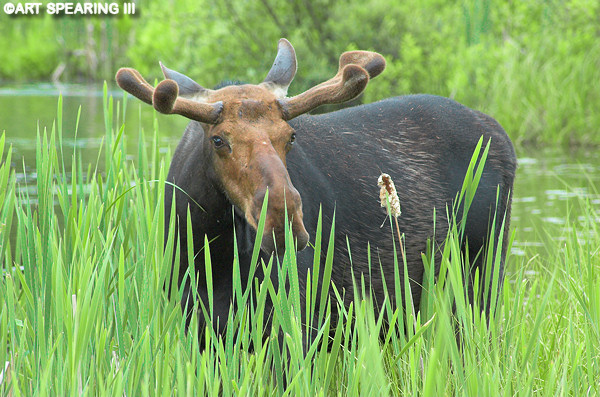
<point>84,309</point>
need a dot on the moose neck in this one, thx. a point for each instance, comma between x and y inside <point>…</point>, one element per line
<point>218,225</point>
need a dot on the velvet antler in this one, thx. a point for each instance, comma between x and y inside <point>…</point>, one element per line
<point>181,95</point>
<point>132,81</point>
<point>165,97</point>
<point>355,69</point>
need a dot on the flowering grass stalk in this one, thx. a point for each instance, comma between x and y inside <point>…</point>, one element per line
<point>389,200</point>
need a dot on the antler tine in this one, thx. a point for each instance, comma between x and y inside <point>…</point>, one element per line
<point>132,81</point>
<point>165,98</point>
<point>372,62</point>
<point>355,69</point>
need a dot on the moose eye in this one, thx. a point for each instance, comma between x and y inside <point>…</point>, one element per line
<point>217,141</point>
<point>293,138</point>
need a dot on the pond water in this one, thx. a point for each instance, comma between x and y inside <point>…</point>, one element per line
<point>546,183</point>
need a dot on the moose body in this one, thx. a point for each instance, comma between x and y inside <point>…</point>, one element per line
<point>425,143</point>
<point>247,140</point>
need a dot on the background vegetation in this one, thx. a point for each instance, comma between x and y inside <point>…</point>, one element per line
<point>534,65</point>
<point>83,310</point>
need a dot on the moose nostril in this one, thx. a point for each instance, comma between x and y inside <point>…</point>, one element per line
<point>302,240</point>
<point>271,243</point>
<point>267,243</point>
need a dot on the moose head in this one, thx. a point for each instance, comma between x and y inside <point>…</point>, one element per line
<point>247,136</point>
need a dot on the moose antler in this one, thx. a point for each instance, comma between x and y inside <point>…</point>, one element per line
<point>355,69</point>
<point>181,95</point>
<point>165,97</point>
<point>132,81</point>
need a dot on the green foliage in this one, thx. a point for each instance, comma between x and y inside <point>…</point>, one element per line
<point>41,47</point>
<point>26,56</point>
<point>83,306</point>
<point>533,65</point>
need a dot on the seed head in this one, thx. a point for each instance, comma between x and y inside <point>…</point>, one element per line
<point>387,193</point>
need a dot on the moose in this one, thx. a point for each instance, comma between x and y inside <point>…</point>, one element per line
<point>244,140</point>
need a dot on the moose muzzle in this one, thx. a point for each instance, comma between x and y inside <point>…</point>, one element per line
<point>283,198</point>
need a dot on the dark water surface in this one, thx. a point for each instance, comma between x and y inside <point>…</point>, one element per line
<point>547,183</point>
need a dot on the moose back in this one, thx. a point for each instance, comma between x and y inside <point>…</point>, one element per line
<point>246,139</point>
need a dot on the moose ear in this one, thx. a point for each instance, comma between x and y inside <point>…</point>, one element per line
<point>283,70</point>
<point>188,88</point>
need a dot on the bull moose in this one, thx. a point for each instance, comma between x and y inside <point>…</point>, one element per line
<point>246,139</point>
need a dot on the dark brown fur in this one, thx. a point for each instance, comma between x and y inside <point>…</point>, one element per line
<point>244,144</point>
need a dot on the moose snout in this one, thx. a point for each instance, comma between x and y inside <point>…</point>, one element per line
<point>274,233</point>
